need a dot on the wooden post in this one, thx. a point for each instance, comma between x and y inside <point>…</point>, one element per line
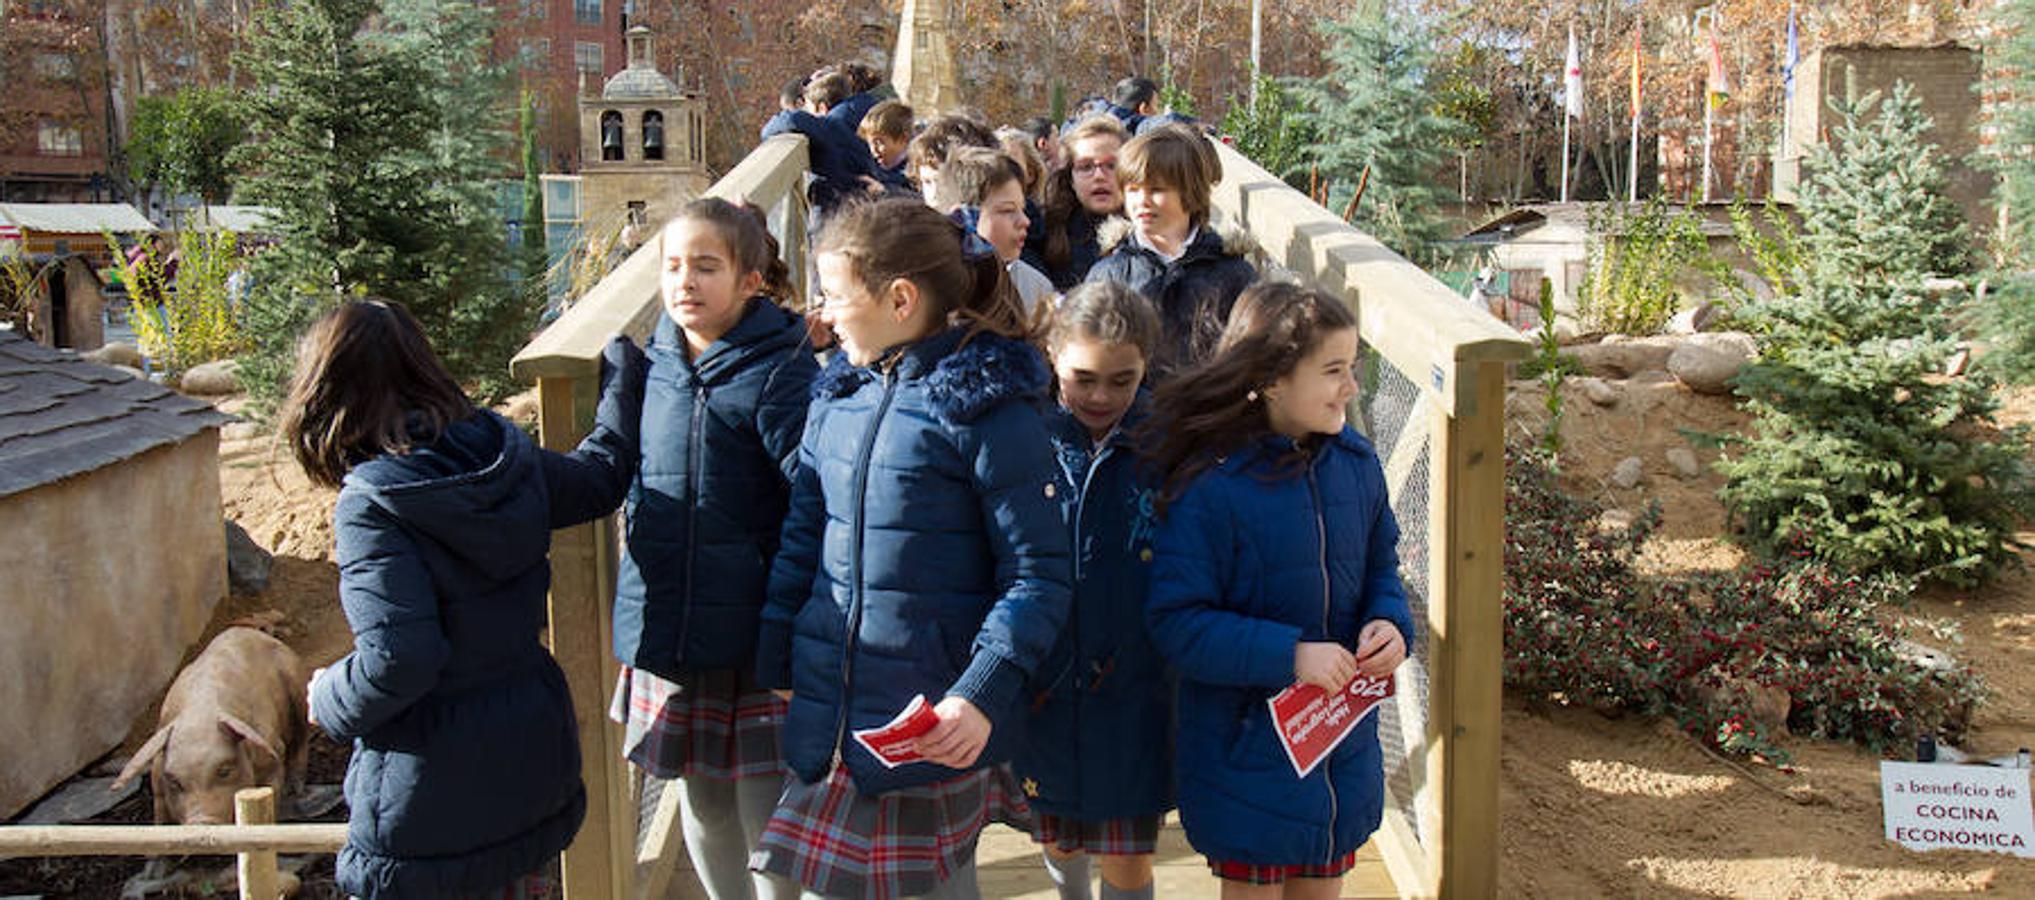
<point>257,868</point>
<point>663,843</point>
<point>1467,637</point>
<point>600,863</point>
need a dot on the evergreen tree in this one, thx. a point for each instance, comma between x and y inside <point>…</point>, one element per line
<point>535,259</point>
<point>375,148</point>
<point>1862,452</point>
<point>1379,126</point>
<point>2009,313</point>
<point>1270,129</point>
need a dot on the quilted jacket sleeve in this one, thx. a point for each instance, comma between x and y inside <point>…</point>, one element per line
<point>792,570</point>
<point>781,410</point>
<point>1193,621</point>
<point>399,646</point>
<point>1016,478</point>
<point>591,481</point>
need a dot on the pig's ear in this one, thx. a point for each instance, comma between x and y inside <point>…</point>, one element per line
<point>143,757</point>
<point>241,731</point>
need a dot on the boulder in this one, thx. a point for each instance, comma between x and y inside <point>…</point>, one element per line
<point>115,354</point>
<point>1683,460</point>
<point>1694,319</point>
<point>212,378</point>
<point>240,431</point>
<point>1599,391</point>
<point>1618,356</point>
<point>1628,473</point>
<point>1706,369</point>
<point>247,564</point>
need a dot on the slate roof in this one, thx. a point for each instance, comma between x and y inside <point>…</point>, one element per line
<point>62,416</point>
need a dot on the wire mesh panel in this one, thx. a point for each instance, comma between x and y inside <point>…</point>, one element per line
<point>1399,416</point>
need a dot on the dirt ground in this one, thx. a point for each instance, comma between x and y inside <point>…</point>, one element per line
<point>1595,807</point>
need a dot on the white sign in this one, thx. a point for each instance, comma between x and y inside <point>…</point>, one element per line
<point>1950,807</point>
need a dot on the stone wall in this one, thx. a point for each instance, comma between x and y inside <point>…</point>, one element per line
<point>106,582</point>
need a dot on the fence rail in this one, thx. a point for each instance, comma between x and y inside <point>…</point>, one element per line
<point>254,839</point>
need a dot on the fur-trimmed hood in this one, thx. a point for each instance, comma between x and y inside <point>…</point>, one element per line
<point>964,375</point>
<point>1220,233</point>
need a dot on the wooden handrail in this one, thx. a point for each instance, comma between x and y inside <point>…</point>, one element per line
<point>1418,324</point>
<point>625,302</point>
<point>167,840</point>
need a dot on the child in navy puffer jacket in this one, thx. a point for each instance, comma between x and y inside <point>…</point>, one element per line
<point>923,555</point>
<point>465,770</point>
<point>724,403</point>
<point>1098,758</point>
<point>1277,562</point>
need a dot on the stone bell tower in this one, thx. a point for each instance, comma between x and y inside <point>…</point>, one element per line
<point>642,144</point>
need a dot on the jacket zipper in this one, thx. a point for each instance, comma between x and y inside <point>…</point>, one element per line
<point>1321,540</point>
<point>855,566</point>
<point>692,506</point>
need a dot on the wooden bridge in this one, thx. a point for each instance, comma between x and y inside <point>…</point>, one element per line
<point>1433,403</point>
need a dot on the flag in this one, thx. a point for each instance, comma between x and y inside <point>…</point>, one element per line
<point>1794,56</point>
<point>1572,84</point>
<point>1719,86</point>
<point>1636,53</point>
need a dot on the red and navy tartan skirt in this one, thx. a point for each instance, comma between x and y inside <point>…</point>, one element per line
<point>716,724</point>
<point>1252,873</point>
<point>903,843</point>
<point>1108,837</point>
<point>534,886</point>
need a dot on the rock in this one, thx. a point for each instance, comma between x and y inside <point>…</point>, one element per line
<point>1694,319</point>
<point>1706,370</point>
<point>1768,706</point>
<point>115,354</point>
<point>1937,287</point>
<point>1735,342</point>
<point>240,431</point>
<point>1628,473</point>
<point>1622,357</point>
<point>247,564</point>
<point>1599,391</point>
<point>1616,520</point>
<point>1684,462</point>
<point>132,372</point>
<point>212,378</point>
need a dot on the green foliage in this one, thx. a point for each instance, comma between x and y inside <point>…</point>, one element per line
<point>195,323</point>
<point>1863,451</point>
<point>1174,98</point>
<point>1638,259</point>
<point>2008,315</point>
<point>1271,128</point>
<point>1379,125</point>
<point>1771,241</point>
<point>1796,639</point>
<point>1552,371</point>
<point>181,142</point>
<point>376,144</point>
<point>19,280</point>
<point>533,251</point>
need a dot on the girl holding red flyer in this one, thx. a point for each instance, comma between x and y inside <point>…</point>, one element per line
<point>1277,561</point>
<point>923,555</point>
<point>1097,764</point>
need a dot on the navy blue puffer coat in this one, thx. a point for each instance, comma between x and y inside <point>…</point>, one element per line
<point>465,768</point>
<point>720,436</point>
<point>924,552</point>
<point>1253,558</point>
<point>1099,737</point>
<point>1193,294</point>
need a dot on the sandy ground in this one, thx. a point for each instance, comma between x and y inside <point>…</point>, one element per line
<point>1594,806</point>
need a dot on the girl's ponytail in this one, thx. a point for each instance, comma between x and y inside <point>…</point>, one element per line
<point>904,238</point>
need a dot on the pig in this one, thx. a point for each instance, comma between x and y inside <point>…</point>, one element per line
<point>234,718</point>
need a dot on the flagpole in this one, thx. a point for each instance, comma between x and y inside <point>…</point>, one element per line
<point>1565,156</point>
<point>1632,164</point>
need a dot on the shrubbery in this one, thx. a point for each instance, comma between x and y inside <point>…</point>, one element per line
<point>1583,627</point>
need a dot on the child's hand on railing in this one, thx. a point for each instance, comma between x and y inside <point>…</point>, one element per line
<point>1324,664</point>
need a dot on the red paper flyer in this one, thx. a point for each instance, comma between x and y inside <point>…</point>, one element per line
<point>1311,722</point>
<point>894,742</point>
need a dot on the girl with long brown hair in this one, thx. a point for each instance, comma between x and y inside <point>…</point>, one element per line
<point>1276,562</point>
<point>465,770</point>
<point>923,558</point>
<point>1080,195</point>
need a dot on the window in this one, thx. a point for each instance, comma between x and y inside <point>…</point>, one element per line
<point>54,66</point>
<point>586,57</point>
<point>586,12</point>
<point>56,139</point>
<point>536,53</point>
<point>536,9</point>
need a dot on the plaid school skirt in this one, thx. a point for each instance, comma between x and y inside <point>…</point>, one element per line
<point>837,843</point>
<point>715,724</point>
<point>535,886</point>
<point>1251,873</point>
<point>1109,837</point>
